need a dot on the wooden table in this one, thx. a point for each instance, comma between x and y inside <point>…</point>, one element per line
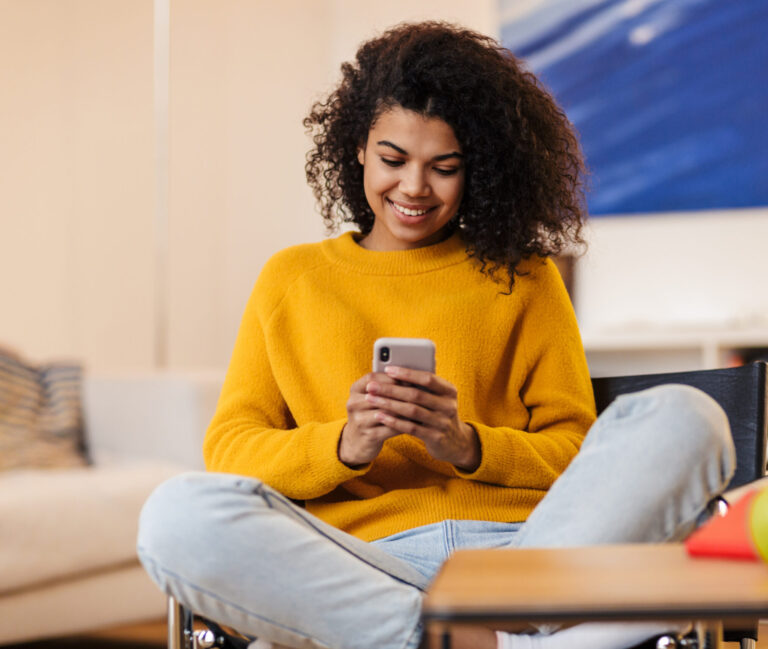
<point>619,582</point>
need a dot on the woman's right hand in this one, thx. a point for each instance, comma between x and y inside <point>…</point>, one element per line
<point>363,435</point>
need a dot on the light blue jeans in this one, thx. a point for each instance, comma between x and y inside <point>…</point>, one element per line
<point>234,550</point>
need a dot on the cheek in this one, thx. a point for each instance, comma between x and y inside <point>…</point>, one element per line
<point>459,193</point>
<point>456,191</point>
<point>370,190</point>
<point>376,183</point>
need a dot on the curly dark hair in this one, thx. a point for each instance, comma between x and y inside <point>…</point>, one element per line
<point>524,171</point>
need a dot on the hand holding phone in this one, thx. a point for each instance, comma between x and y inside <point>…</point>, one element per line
<point>382,407</point>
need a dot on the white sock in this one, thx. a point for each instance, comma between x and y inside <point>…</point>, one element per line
<point>592,635</point>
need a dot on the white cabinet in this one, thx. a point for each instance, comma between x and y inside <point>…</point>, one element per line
<point>641,352</point>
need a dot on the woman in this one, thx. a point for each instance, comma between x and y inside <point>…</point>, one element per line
<point>462,177</point>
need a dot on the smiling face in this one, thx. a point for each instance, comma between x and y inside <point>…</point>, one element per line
<point>413,176</point>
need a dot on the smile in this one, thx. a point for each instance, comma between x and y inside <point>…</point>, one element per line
<point>407,211</point>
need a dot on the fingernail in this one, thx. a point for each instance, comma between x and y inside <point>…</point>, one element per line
<point>392,369</point>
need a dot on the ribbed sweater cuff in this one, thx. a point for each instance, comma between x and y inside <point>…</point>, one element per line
<point>324,443</point>
<point>490,469</point>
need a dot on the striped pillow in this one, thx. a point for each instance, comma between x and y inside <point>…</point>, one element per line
<point>40,414</point>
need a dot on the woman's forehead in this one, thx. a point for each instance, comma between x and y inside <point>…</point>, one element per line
<point>408,126</point>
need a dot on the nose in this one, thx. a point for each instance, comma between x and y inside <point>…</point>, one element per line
<point>414,182</point>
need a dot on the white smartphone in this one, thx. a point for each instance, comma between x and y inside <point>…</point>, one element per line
<point>414,353</point>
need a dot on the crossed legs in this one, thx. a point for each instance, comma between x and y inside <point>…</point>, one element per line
<point>232,549</point>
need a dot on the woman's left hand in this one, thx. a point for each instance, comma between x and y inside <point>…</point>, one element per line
<point>430,414</point>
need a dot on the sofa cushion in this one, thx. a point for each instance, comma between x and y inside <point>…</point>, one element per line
<point>58,523</point>
<point>92,602</point>
<point>40,414</point>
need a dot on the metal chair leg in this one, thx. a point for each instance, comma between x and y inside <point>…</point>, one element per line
<point>710,634</point>
<point>748,643</point>
<point>176,636</point>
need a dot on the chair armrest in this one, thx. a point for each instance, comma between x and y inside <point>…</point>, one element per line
<point>154,415</point>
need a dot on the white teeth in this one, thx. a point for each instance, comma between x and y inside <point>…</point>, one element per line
<point>407,212</point>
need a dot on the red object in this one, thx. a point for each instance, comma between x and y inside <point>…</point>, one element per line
<point>728,536</point>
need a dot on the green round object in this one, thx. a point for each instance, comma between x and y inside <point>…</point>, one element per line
<point>758,523</point>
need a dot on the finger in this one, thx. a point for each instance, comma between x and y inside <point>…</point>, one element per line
<point>400,408</point>
<point>379,378</point>
<point>444,404</point>
<point>402,392</point>
<point>373,430</point>
<point>362,439</point>
<point>359,401</point>
<point>427,380</point>
<point>359,385</point>
<point>429,424</point>
<point>403,426</point>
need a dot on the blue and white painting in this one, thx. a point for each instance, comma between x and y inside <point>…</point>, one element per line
<point>669,96</point>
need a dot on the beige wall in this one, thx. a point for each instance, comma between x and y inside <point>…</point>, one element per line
<point>79,226</point>
<point>354,21</point>
<point>76,179</point>
<point>78,172</point>
<point>243,75</point>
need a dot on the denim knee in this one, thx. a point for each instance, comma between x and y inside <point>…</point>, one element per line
<point>166,519</point>
<point>702,423</point>
<point>683,423</point>
<point>182,520</point>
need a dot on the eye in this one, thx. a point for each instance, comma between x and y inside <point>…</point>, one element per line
<point>392,162</point>
<point>447,171</point>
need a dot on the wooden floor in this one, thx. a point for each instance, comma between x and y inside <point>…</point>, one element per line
<point>153,635</point>
<point>138,636</point>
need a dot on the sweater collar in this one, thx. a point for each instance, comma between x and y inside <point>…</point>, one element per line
<point>345,250</point>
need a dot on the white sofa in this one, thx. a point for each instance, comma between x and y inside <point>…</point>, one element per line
<point>68,536</point>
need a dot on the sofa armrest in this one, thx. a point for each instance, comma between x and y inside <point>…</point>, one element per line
<point>153,415</point>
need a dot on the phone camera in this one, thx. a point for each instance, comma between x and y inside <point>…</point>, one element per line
<point>384,354</point>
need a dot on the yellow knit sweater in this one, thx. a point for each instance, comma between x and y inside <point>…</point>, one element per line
<point>307,334</point>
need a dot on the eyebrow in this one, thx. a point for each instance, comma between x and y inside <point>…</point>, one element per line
<point>437,158</point>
